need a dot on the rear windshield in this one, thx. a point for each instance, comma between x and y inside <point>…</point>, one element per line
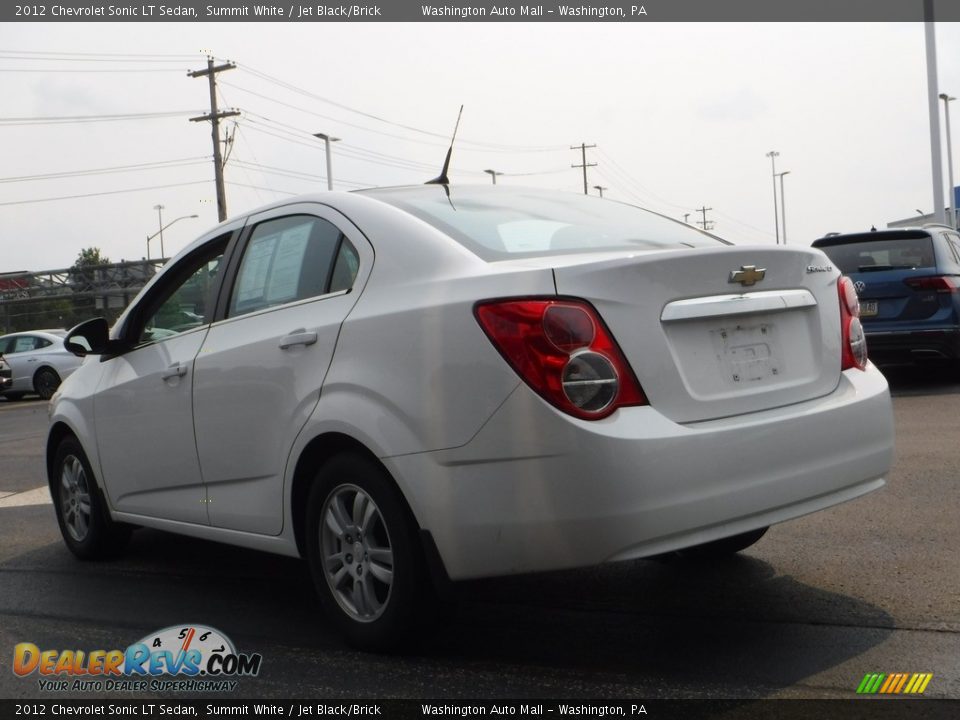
<point>874,255</point>
<point>501,223</point>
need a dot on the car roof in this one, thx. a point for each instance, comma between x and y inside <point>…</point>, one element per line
<point>55,332</point>
<point>871,236</point>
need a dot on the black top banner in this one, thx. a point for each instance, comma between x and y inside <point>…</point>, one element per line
<point>484,11</point>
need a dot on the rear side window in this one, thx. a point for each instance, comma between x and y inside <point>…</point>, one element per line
<point>289,259</point>
<point>876,255</point>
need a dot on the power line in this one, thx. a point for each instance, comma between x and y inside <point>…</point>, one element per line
<point>91,70</point>
<point>107,192</point>
<point>68,119</point>
<point>443,136</point>
<point>295,174</point>
<point>159,165</point>
<point>106,55</point>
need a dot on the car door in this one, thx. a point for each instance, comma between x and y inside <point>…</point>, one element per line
<point>143,406</point>
<point>259,374</point>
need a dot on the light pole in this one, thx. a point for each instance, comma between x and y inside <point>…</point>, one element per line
<point>599,189</point>
<point>159,209</point>
<point>160,232</point>
<point>493,174</point>
<point>773,164</point>
<point>953,199</point>
<point>327,139</point>
<point>783,206</point>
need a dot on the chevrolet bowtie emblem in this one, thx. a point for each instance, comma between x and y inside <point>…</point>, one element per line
<point>747,275</point>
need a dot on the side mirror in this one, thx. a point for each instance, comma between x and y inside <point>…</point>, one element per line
<point>89,338</point>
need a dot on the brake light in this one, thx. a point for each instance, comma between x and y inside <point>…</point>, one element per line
<point>562,350</point>
<point>936,283</point>
<point>854,342</point>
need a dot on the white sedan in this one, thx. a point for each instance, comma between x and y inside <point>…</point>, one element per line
<point>38,362</point>
<point>414,385</point>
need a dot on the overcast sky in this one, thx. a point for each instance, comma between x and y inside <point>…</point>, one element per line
<point>682,116</point>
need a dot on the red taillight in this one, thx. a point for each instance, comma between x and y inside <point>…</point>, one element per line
<point>936,283</point>
<point>854,354</point>
<point>562,350</point>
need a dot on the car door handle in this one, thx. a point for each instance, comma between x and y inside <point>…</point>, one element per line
<point>175,370</point>
<point>298,337</point>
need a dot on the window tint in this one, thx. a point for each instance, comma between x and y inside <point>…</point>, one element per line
<point>184,302</point>
<point>41,343</point>
<point>289,259</point>
<point>899,253</point>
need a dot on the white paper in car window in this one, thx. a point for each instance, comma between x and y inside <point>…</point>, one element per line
<point>287,261</point>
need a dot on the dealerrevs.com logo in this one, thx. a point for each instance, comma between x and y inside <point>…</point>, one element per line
<point>185,658</point>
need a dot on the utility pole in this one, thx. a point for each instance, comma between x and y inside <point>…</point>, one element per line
<point>215,116</point>
<point>582,147</point>
<point>600,189</point>
<point>706,224</point>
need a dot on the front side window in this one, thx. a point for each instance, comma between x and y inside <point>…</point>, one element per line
<point>185,302</point>
<point>289,259</point>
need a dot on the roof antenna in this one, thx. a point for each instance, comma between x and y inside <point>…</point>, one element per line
<point>442,178</point>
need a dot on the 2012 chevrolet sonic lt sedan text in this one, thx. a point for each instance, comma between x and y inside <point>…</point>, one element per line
<point>411,385</point>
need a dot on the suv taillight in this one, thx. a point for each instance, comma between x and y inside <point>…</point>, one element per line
<point>562,350</point>
<point>936,283</point>
<point>854,342</point>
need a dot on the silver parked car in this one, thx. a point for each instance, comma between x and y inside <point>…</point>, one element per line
<point>38,362</point>
<point>413,385</point>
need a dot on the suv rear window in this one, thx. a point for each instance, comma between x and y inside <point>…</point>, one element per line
<point>882,254</point>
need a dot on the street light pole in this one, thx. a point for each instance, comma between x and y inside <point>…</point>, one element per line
<point>326,142</point>
<point>953,193</point>
<point>159,209</point>
<point>783,206</point>
<point>599,189</point>
<point>493,174</point>
<point>773,164</point>
<point>160,232</point>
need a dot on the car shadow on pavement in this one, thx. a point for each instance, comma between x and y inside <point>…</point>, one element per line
<point>728,626</point>
<point>731,628</point>
<point>933,378</point>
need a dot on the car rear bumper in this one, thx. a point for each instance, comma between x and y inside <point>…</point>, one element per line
<point>537,490</point>
<point>906,346</point>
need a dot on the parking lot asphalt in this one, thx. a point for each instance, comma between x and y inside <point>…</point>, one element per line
<point>870,586</point>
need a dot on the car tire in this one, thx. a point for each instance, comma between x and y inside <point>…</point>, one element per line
<point>364,554</point>
<point>720,548</point>
<point>45,382</point>
<point>85,523</point>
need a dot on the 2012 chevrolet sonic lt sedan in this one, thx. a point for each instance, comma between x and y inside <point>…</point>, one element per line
<point>410,385</point>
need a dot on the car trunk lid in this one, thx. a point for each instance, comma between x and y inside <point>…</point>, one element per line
<point>715,332</point>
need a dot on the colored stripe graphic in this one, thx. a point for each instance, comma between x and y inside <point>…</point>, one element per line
<point>894,683</point>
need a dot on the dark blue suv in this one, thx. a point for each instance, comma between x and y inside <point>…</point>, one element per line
<point>908,282</point>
